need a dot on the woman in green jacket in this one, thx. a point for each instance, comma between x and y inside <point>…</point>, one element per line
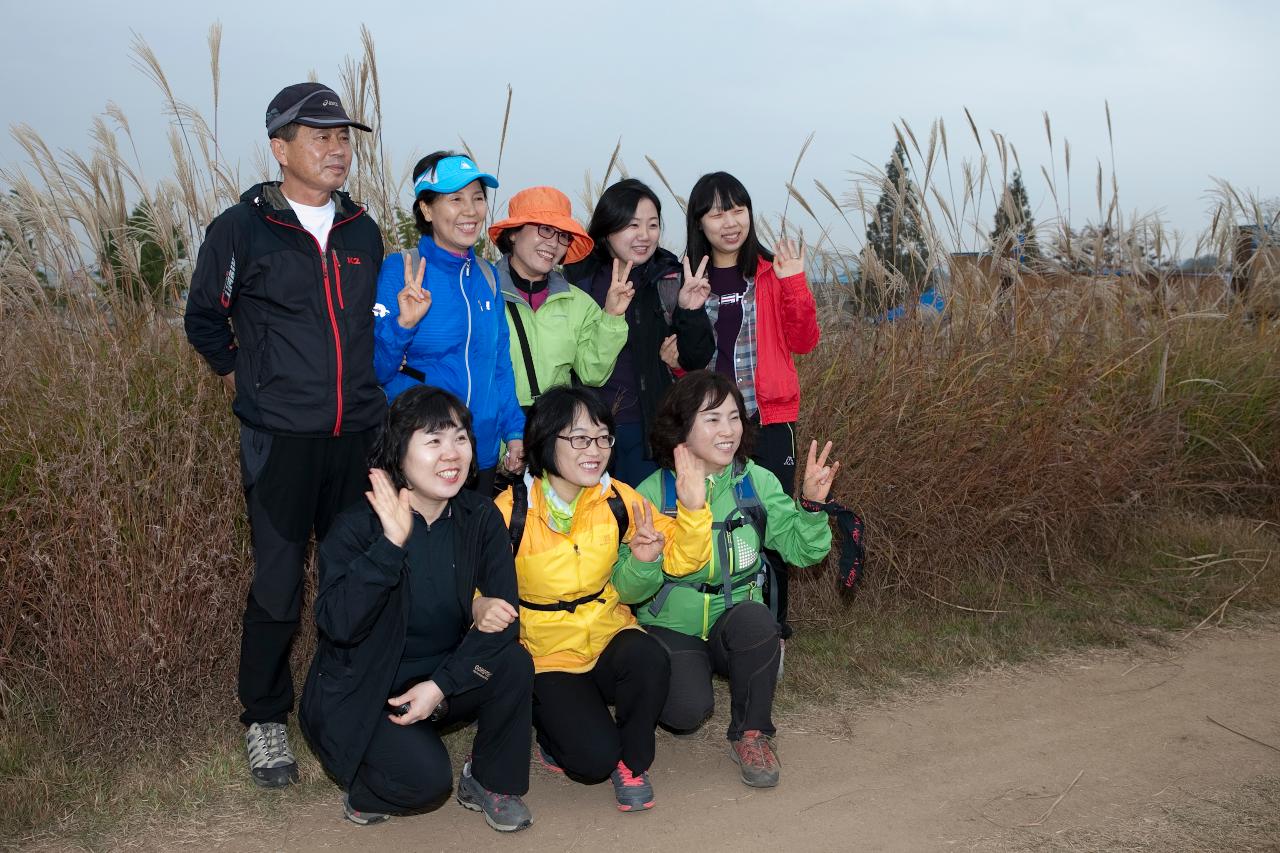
<point>714,620</point>
<point>556,329</point>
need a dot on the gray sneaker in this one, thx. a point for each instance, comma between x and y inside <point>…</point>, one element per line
<point>271,762</point>
<point>632,790</point>
<point>504,812</point>
<point>361,818</point>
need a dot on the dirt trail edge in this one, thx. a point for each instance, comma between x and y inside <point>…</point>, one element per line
<point>1081,742</point>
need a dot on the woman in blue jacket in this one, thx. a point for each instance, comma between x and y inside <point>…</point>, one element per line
<point>439,318</point>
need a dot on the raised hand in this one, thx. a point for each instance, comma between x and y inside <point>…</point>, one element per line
<point>413,299</point>
<point>492,615</point>
<point>670,353</point>
<point>696,288</point>
<point>621,290</point>
<point>691,487</point>
<point>646,542</point>
<point>422,697</point>
<point>393,509</point>
<point>818,476</point>
<point>788,260</point>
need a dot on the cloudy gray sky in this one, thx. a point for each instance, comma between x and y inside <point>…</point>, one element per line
<point>701,85</point>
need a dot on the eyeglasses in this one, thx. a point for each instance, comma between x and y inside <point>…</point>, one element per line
<point>582,442</point>
<point>546,232</point>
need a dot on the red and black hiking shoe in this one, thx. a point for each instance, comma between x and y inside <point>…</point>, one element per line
<point>756,759</point>
<point>633,790</point>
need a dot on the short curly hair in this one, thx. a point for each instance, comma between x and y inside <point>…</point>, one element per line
<point>695,392</point>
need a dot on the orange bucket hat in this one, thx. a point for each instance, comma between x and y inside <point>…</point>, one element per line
<point>545,206</point>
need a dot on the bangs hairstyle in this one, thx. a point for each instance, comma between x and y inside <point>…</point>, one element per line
<point>692,393</point>
<point>615,210</point>
<point>422,407</point>
<point>552,415</point>
<point>722,191</point>
<point>427,196</point>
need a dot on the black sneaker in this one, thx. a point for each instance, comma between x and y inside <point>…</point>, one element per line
<point>271,762</point>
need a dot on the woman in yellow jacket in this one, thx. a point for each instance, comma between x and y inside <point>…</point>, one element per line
<point>588,651</point>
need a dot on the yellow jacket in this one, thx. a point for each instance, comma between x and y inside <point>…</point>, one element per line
<point>552,566</point>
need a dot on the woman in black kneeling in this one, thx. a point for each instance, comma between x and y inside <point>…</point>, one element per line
<point>397,656</point>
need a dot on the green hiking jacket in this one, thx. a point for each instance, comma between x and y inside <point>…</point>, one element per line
<point>569,332</point>
<point>802,538</point>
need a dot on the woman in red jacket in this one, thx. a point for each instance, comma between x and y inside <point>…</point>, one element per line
<point>762,314</point>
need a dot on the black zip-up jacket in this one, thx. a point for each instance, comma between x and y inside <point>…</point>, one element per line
<point>361,611</point>
<point>300,330</point>
<point>647,322</point>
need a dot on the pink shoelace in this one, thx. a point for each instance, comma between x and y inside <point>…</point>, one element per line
<point>754,749</point>
<point>629,779</point>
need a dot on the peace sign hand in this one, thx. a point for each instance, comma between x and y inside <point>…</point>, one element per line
<point>393,509</point>
<point>620,292</point>
<point>788,260</point>
<point>646,542</point>
<point>691,489</point>
<point>817,475</point>
<point>696,288</point>
<point>414,300</point>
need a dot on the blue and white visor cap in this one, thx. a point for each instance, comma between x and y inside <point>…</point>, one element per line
<point>452,174</point>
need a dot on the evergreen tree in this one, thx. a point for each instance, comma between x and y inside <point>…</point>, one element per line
<point>895,235</point>
<point>1015,231</point>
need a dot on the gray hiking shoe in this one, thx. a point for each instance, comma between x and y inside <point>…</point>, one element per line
<point>271,762</point>
<point>504,812</point>
<point>361,818</point>
<point>756,759</point>
<point>633,790</point>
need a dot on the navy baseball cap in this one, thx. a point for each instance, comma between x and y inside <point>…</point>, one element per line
<point>310,104</point>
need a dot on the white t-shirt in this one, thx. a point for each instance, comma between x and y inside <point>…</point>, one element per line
<point>317,220</point>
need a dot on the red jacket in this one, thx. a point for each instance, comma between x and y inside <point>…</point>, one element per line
<point>786,325</point>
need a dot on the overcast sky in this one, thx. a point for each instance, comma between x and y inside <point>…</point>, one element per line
<point>702,85</point>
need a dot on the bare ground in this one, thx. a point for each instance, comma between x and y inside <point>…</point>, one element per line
<point>1094,752</point>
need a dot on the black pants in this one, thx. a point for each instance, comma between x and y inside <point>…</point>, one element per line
<point>292,485</point>
<point>741,646</point>
<point>571,710</point>
<point>775,451</point>
<point>407,768</point>
<point>627,462</point>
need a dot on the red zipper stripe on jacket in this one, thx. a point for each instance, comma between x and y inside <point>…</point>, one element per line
<point>337,276</point>
<point>328,297</point>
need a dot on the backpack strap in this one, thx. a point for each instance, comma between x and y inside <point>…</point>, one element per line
<point>519,514</point>
<point>534,391</point>
<point>488,274</point>
<point>668,492</point>
<point>620,515</point>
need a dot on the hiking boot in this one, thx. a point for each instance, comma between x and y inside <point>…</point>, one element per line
<point>271,762</point>
<point>756,759</point>
<point>548,763</point>
<point>504,812</point>
<point>633,790</point>
<point>361,818</point>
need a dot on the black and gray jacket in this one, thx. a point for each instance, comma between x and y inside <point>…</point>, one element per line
<point>295,324</point>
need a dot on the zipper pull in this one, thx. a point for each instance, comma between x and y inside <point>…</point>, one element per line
<point>466,267</point>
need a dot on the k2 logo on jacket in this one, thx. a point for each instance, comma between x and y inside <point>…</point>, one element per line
<point>353,260</point>
<point>380,311</point>
<point>228,283</point>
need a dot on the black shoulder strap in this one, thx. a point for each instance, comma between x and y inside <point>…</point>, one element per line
<point>619,508</point>
<point>519,512</point>
<point>514,311</point>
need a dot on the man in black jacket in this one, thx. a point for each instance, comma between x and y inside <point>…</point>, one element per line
<point>281,307</point>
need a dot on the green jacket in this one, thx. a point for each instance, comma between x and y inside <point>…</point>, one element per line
<point>802,538</point>
<point>569,332</point>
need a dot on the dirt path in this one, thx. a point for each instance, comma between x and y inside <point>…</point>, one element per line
<point>968,767</point>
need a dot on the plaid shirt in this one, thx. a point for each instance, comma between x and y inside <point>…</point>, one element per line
<point>744,348</point>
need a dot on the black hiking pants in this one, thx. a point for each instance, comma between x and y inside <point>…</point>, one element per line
<point>571,709</point>
<point>775,451</point>
<point>407,768</point>
<point>741,646</point>
<point>292,486</point>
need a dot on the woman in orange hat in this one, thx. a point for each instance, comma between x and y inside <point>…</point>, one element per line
<point>558,332</point>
